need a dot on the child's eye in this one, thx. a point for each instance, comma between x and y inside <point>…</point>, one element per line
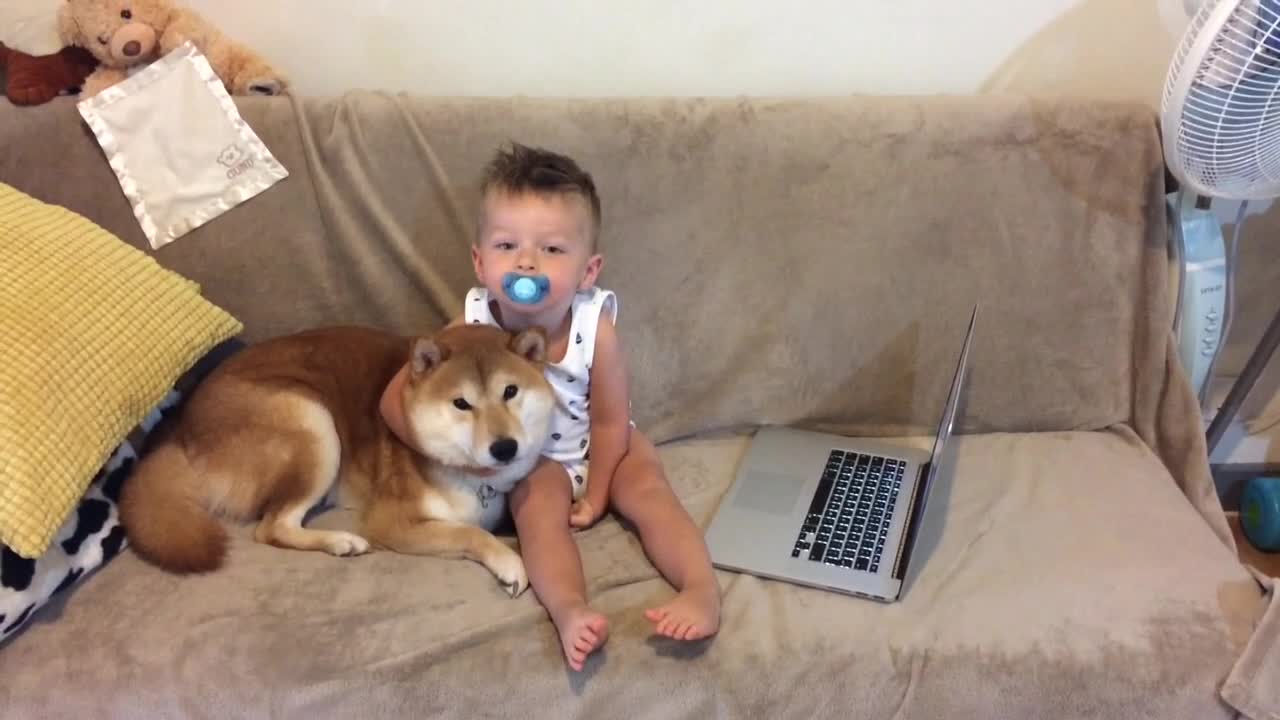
<point>505,245</point>
<point>555,249</point>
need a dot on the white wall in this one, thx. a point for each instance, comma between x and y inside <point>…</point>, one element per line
<point>1112,48</point>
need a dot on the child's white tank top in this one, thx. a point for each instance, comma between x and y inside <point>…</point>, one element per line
<point>571,377</point>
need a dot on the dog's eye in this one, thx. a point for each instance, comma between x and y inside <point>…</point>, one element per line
<point>126,14</point>
<point>103,39</point>
<point>462,404</point>
<point>510,392</point>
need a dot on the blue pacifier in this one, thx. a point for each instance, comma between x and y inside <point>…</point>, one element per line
<point>526,289</point>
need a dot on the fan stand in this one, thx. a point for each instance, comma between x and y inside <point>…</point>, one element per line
<point>1244,384</point>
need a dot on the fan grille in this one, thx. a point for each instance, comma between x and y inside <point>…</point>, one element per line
<point>1221,111</point>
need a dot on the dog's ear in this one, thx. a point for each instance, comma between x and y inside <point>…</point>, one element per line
<point>531,344</point>
<point>427,355</point>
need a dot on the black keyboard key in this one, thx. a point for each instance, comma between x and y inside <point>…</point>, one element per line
<point>820,496</point>
<point>849,511</point>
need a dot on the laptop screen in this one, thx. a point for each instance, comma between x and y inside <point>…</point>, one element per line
<point>949,411</point>
<point>945,426</point>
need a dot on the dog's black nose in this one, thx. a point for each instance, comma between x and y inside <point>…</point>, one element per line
<point>133,47</point>
<point>503,450</point>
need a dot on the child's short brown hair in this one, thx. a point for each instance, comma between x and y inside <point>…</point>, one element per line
<point>520,169</point>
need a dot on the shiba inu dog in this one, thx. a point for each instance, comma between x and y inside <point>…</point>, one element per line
<point>288,422</point>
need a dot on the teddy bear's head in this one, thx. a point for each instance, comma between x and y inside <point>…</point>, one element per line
<point>120,33</point>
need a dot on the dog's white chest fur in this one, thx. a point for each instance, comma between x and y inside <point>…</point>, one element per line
<point>466,502</point>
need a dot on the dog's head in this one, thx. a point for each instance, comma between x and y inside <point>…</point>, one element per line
<point>477,400</point>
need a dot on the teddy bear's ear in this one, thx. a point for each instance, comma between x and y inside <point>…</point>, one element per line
<point>161,14</point>
<point>68,30</point>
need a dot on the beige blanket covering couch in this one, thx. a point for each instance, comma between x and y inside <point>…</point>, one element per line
<point>801,261</point>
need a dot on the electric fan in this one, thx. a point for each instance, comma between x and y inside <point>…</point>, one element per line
<point>1220,126</point>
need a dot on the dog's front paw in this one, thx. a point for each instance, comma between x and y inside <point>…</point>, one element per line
<point>509,569</point>
<point>345,543</point>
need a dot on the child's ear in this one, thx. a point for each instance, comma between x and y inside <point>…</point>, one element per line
<point>594,266</point>
<point>477,263</point>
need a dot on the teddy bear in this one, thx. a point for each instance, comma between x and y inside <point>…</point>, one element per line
<point>124,34</point>
<point>36,79</point>
<point>35,65</point>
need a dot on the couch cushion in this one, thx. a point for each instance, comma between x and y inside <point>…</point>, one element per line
<point>1052,590</point>
<point>93,333</point>
<point>822,252</point>
<point>268,261</point>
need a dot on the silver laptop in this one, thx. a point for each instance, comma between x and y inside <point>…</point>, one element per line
<point>829,511</point>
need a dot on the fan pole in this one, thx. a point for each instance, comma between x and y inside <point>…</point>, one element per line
<point>1244,384</point>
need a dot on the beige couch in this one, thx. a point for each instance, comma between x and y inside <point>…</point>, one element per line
<point>777,261</point>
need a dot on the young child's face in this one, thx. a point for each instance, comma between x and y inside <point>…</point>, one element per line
<point>536,235</point>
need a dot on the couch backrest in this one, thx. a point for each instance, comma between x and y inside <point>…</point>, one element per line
<point>776,260</point>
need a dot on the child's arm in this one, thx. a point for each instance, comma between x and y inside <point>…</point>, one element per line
<point>610,424</point>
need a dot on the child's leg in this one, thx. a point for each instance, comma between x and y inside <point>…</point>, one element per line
<point>540,507</point>
<point>640,492</point>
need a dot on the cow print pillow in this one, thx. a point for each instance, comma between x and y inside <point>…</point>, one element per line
<point>90,537</point>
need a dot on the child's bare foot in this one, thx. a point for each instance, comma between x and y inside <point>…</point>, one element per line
<point>582,630</point>
<point>692,615</point>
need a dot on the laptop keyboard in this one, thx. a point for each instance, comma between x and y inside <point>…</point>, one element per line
<point>848,518</point>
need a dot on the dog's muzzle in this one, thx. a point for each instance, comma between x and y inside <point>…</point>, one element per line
<point>504,449</point>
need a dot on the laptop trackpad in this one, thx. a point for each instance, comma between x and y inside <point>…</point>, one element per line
<point>769,492</point>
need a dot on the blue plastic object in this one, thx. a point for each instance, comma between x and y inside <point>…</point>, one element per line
<point>526,289</point>
<point>1260,513</point>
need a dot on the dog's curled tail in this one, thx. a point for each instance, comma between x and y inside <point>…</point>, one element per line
<point>165,516</point>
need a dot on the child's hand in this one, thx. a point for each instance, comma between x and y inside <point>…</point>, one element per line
<point>582,514</point>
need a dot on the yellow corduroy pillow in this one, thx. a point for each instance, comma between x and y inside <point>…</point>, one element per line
<point>93,333</point>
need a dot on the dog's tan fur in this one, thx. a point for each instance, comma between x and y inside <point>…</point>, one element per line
<point>278,426</point>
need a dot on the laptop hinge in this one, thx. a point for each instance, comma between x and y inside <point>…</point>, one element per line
<point>913,525</point>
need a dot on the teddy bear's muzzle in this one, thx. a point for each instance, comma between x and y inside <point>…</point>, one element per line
<point>133,43</point>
